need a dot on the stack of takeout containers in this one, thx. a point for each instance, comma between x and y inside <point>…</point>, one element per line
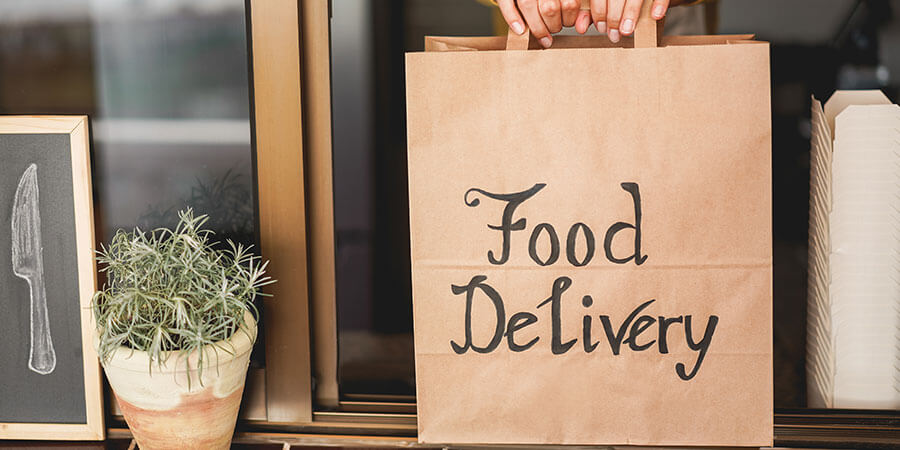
<point>853,327</point>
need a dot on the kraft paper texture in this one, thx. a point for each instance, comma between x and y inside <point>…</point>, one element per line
<point>686,125</point>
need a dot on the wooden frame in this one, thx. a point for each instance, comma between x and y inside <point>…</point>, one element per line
<point>275,40</point>
<point>290,52</point>
<point>316,57</point>
<point>837,428</point>
<point>77,129</point>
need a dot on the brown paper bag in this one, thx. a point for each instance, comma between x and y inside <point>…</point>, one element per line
<point>591,241</point>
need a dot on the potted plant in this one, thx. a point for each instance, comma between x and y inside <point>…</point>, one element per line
<point>175,324</point>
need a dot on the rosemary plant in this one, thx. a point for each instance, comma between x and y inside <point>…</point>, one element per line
<point>174,290</point>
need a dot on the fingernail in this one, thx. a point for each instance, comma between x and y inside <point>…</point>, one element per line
<point>546,41</point>
<point>601,27</point>
<point>614,35</point>
<point>517,27</point>
<point>627,26</point>
<point>658,11</point>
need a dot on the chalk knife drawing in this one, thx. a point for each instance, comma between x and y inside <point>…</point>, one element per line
<point>28,263</point>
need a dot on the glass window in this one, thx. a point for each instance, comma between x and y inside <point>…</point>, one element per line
<point>172,124</point>
<point>374,298</point>
<point>165,83</point>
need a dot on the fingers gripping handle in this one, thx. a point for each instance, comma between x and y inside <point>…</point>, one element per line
<point>646,33</point>
<point>518,42</point>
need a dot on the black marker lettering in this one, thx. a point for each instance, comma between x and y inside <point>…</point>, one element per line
<point>554,244</point>
<point>664,323</point>
<point>506,226</point>
<point>559,286</point>
<point>702,346</point>
<point>638,327</point>
<point>633,189</point>
<point>589,346</point>
<point>615,340</point>
<point>570,244</point>
<point>477,282</point>
<point>629,331</point>
<point>517,322</point>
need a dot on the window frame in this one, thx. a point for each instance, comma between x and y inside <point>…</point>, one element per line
<point>291,135</point>
<point>277,137</point>
<point>315,17</point>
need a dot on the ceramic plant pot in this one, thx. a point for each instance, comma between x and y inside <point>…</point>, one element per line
<point>172,407</point>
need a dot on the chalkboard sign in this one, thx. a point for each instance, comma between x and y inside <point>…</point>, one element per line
<point>49,375</point>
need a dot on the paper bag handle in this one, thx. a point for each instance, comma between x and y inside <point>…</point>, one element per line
<point>646,33</point>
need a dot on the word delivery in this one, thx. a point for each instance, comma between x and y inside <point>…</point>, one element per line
<point>634,331</point>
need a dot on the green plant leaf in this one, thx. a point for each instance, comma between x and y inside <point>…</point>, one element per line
<point>174,291</point>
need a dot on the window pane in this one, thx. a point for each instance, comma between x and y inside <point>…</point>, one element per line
<point>165,83</point>
<point>173,126</point>
<point>368,40</point>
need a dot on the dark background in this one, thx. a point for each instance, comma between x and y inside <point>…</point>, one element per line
<point>817,46</point>
<point>26,396</point>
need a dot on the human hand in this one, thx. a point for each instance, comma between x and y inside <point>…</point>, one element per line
<point>544,17</point>
<point>615,18</point>
<point>619,18</point>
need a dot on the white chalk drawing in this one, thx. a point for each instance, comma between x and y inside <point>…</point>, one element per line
<point>28,264</point>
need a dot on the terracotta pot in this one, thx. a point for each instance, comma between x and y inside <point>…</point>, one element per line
<point>172,407</point>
